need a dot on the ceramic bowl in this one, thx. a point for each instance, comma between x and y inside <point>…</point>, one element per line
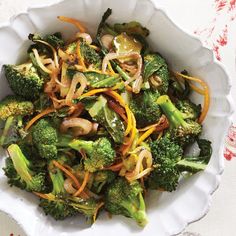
<point>169,213</point>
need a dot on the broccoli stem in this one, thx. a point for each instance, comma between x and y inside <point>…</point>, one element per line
<point>20,162</point>
<point>174,116</point>
<point>58,182</point>
<point>136,210</point>
<point>82,144</point>
<point>190,166</point>
<point>7,126</point>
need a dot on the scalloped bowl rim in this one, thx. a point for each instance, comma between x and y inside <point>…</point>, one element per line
<point>214,60</point>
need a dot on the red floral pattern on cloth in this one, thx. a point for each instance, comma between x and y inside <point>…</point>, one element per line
<point>230,145</point>
<point>225,14</point>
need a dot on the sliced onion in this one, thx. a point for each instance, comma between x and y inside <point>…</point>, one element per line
<point>40,64</point>
<point>77,78</point>
<point>107,40</point>
<point>68,185</point>
<point>136,87</point>
<point>85,36</point>
<point>64,56</point>
<point>156,81</point>
<point>94,127</point>
<point>135,55</point>
<point>140,175</point>
<point>80,126</point>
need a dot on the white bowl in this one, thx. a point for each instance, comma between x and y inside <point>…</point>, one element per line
<point>169,213</point>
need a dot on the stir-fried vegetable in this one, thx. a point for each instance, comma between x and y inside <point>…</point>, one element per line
<point>96,123</point>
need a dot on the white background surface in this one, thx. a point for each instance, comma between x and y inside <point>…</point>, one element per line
<point>189,15</point>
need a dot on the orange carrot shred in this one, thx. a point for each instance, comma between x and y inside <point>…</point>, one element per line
<point>73,21</point>
<point>82,187</point>
<point>37,117</point>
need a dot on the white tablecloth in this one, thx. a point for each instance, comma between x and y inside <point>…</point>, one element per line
<point>214,22</point>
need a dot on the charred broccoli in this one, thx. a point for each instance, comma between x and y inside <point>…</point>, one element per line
<point>169,163</point>
<point>182,130</point>
<point>24,80</point>
<point>99,153</point>
<point>145,108</point>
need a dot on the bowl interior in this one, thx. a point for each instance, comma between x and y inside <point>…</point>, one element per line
<point>168,212</point>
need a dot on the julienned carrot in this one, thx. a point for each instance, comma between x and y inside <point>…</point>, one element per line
<point>73,21</point>
<point>118,109</point>
<point>115,167</point>
<point>69,174</point>
<point>37,117</point>
<point>121,101</point>
<point>93,92</point>
<point>82,187</point>
<point>146,135</point>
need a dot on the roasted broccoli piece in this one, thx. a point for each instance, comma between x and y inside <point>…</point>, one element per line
<point>156,72</point>
<point>189,109</point>
<point>60,205</point>
<point>99,153</point>
<point>124,198</point>
<point>55,203</point>
<point>24,80</point>
<point>12,110</point>
<point>145,108</point>
<point>45,138</point>
<point>101,179</point>
<point>13,105</point>
<point>19,171</point>
<point>90,55</point>
<point>184,131</point>
<point>165,154</point>
<point>169,163</point>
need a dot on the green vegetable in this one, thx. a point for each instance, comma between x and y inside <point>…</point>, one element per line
<point>156,71</point>
<point>145,108</point>
<point>189,109</point>
<point>101,113</point>
<point>99,153</point>
<point>90,55</point>
<point>101,180</point>
<point>45,138</point>
<point>124,198</point>
<point>97,80</point>
<point>184,131</point>
<point>131,28</point>
<point>24,80</point>
<point>169,162</point>
<point>12,111</point>
<point>19,171</point>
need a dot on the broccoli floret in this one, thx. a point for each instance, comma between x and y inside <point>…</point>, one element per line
<point>12,110</point>
<point>99,153</point>
<point>13,105</point>
<point>169,163</point>
<point>60,205</point>
<point>145,108</point>
<point>156,72</point>
<point>101,179</point>
<point>184,131</point>
<point>189,109</point>
<point>165,154</point>
<point>23,176</point>
<point>45,138</point>
<point>24,80</point>
<point>90,55</point>
<point>124,198</point>
<point>55,203</point>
